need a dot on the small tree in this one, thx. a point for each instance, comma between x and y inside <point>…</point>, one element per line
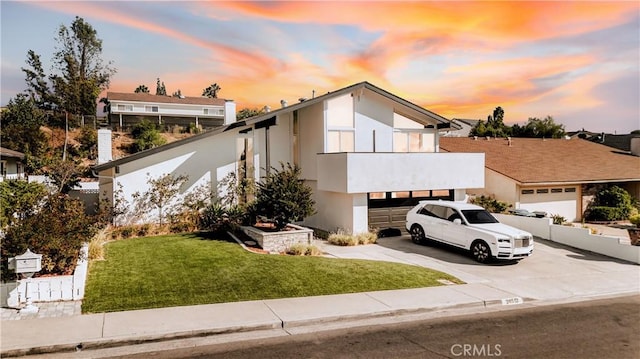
<point>610,203</point>
<point>161,194</point>
<point>282,196</point>
<point>146,135</point>
<point>19,200</point>
<point>141,89</point>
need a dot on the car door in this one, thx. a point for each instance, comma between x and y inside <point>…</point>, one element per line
<point>429,221</point>
<point>455,233</point>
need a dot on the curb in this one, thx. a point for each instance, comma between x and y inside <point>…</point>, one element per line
<point>105,343</point>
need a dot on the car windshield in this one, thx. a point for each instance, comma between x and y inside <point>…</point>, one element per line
<point>478,216</point>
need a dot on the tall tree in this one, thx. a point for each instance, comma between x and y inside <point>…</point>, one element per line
<point>21,121</point>
<point>211,91</point>
<point>83,74</point>
<point>141,89</point>
<point>37,84</point>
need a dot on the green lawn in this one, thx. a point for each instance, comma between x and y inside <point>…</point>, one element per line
<point>191,269</point>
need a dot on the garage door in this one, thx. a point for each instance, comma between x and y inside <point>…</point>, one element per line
<point>561,200</point>
<point>388,217</point>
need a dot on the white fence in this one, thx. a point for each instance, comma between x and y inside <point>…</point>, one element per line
<point>575,237</point>
<point>47,289</point>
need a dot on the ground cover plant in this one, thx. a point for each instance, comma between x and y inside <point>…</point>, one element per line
<point>191,269</point>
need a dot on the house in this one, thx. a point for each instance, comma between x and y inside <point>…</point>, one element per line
<point>465,125</point>
<point>557,176</point>
<point>11,166</point>
<point>367,154</point>
<point>126,109</point>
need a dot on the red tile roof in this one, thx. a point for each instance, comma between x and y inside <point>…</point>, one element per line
<point>145,97</point>
<point>534,160</point>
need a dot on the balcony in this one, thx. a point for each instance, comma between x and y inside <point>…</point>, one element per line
<point>362,172</point>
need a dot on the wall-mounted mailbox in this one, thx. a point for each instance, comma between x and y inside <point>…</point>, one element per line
<point>28,262</point>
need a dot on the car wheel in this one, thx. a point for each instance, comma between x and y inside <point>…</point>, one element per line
<point>417,234</point>
<point>480,251</point>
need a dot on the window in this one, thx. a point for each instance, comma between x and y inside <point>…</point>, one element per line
<point>151,108</point>
<point>213,111</point>
<point>556,190</point>
<point>571,189</point>
<point>125,107</point>
<point>409,141</point>
<point>527,191</point>
<point>296,134</point>
<point>340,141</point>
<point>400,194</point>
<point>542,190</point>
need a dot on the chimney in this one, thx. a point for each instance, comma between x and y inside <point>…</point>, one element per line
<point>283,103</point>
<point>635,146</point>
<point>104,146</point>
<point>229,112</point>
<point>267,108</point>
<point>509,141</point>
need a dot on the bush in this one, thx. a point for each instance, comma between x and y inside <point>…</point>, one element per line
<point>146,135</point>
<point>600,213</point>
<point>635,220</point>
<point>300,249</point>
<point>96,245</point>
<point>342,239</point>
<point>619,202</point>
<point>490,204</point>
<point>367,238</point>
<point>57,231</point>
<point>282,197</point>
<point>558,219</point>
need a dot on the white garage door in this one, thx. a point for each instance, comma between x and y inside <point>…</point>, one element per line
<point>553,200</point>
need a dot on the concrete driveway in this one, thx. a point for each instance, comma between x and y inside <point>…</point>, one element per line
<point>553,272</point>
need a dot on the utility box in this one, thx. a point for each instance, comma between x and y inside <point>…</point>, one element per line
<point>28,262</point>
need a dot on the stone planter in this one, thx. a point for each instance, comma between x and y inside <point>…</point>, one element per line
<point>634,236</point>
<point>277,242</point>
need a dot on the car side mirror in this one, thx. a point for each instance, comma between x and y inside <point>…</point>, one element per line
<point>457,221</point>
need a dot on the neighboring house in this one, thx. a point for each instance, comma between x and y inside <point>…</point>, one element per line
<point>367,154</point>
<point>556,176</point>
<point>11,166</point>
<point>465,128</point>
<point>126,109</point>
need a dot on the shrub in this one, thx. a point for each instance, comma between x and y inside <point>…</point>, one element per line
<point>96,245</point>
<point>490,204</point>
<point>146,136</point>
<point>300,249</point>
<point>558,219</point>
<point>635,220</point>
<point>282,196</point>
<point>57,232</point>
<point>342,239</point>
<point>367,238</point>
<point>619,202</point>
<point>601,213</point>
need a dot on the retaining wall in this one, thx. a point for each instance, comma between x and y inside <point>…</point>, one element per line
<point>575,237</point>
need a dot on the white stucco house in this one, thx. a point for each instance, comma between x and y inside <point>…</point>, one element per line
<point>365,153</point>
<point>556,176</point>
<point>128,108</point>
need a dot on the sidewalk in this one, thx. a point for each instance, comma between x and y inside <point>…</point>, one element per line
<point>555,274</point>
<point>31,336</point>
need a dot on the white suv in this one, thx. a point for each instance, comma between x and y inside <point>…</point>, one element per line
<point>468,226</point>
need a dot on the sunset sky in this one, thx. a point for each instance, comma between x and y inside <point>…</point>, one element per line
<point>578,62</point>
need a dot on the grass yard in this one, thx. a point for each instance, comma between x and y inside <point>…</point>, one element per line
<point>190,269</point>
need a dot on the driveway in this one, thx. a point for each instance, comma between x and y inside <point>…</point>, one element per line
<point>553,272</point>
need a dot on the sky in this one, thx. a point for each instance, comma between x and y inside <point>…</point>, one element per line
<point>578,62</point>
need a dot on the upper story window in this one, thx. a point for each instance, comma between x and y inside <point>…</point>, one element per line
<point>340,141</point>
<point>412,141</point>
<point>213,111</point>
<point>125,107</point>
<point>151,108</point>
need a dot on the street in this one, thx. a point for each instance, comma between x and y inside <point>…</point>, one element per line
<point>606,328</point>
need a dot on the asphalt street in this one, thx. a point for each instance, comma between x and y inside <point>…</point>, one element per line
<point>605,328</point>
